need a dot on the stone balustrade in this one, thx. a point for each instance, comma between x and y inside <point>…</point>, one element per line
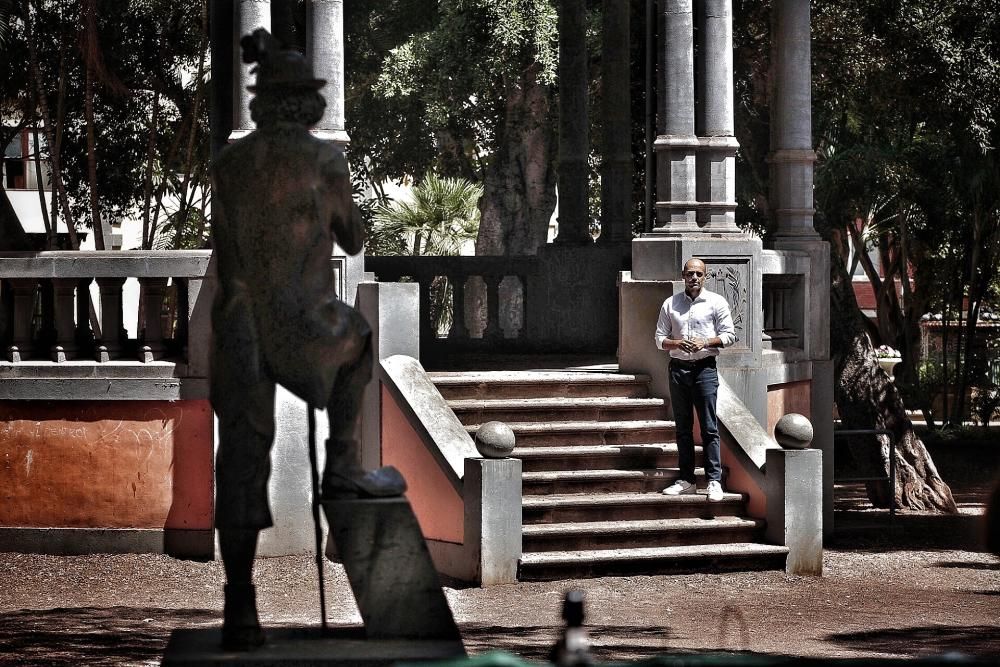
<point>62,332</point>
<point>459,286</point>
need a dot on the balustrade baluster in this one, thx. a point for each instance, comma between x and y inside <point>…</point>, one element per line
<point>427,332</point>
<point>109,345</point>
<point>522,333</point>
<point>84,334</point>
<point>458,329</point>
<point>151,328</point>
<point>23,290</point>
<point>63,292</point>
<point>493,332</point>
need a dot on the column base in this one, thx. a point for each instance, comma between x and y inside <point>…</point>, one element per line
<point>339,137</point>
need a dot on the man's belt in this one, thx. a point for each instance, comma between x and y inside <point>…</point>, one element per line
<point>704,362</point>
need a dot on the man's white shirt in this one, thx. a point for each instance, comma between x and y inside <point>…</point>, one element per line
<point>705,316</point>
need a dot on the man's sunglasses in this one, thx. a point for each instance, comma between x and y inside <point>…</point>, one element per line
<point>697,274</point>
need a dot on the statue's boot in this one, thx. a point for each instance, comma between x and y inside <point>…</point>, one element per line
<point>344,477</point>
<point>240,626</point>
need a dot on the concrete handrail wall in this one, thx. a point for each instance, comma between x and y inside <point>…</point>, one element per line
<point>469,507</point>
<point>783,484</point>
<point>462,274</point>
<point>746,443</point>
<point>473,528</point>
<point>439,429</point>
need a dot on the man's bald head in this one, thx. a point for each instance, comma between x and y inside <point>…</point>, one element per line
<point>694,276</point>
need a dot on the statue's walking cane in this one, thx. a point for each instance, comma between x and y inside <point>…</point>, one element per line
<point>317,527</point>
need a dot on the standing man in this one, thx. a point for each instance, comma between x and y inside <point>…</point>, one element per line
<point>693,326</point>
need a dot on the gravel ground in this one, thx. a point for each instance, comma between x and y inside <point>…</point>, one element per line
<point>923,588</point>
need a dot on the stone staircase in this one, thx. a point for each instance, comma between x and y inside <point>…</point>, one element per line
<point>596,452</point>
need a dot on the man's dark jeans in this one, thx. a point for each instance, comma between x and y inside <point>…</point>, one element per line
<point>696,387</point>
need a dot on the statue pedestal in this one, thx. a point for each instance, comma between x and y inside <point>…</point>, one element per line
<point>405,612</point>
<point>340,647</point>
<point>390,569</point>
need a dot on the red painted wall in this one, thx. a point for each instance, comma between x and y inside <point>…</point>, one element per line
<point>785,398</point>
<point>114,464</point>
<point>438,506</point>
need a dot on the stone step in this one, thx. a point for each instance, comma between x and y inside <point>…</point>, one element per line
<point>536,384</point>
<point>653,480</point>
<point>549,410</point>
<point>572,507</point>
<point>589,432</point>
<point>549,565</point>
<point>600,457</point>
<point>638,534</point>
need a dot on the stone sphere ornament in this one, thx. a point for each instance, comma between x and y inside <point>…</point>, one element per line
<point>495,440</point>
<point>793,431</point>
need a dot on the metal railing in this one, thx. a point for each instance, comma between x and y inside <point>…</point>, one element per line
<point>844,433</point>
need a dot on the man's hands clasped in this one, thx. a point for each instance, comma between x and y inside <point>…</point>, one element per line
<point>693,344</point>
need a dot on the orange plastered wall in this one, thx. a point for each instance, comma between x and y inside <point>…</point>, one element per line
<point>785,398</point>
<point>114,464</point>
<point>438,506</point>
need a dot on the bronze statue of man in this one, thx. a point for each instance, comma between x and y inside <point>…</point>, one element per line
<point>281,199</point>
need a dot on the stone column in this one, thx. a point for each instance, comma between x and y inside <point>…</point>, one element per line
<point>250,15</point>
<point>325,50</point>
<point>676,144</point>
<point>616,163</point>
<point>792,154</point>
<point>574,227</point>
<point>716,188</point>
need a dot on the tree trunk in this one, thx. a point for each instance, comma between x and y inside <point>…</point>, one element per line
<point>866,398</point>
<point>519,185</point>
<point>519,193</point>
<point>95,209</point>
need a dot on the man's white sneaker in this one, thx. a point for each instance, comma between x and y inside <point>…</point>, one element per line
<point>679,487</point>
<point>714,492</point>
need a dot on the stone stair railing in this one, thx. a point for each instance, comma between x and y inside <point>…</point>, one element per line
<point>596,451</point>
<point>783,484</point>
<point>62,324</point>
<point>468,506</point>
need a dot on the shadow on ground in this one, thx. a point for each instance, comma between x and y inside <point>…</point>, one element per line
<point>93,635</point>
<point>860,527</point>
<point>975,640</point>
<point>608,642</point>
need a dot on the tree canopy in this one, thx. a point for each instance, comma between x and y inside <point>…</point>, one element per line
<point>122,111</point>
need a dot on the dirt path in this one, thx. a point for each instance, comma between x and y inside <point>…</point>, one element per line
<point>926,588</point>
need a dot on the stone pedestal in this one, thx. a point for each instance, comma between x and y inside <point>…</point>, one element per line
<point>390,570</point>
<point>795,507</point>
<point>339,647</point>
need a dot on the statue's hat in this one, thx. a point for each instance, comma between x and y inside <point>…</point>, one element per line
<point>277,68</point>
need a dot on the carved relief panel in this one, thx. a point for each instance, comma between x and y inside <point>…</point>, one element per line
<point>731,279</point>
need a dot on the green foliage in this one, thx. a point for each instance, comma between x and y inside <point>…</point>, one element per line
<point>427,93</point>
<point>442,217</point>
<point>142,46</point>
